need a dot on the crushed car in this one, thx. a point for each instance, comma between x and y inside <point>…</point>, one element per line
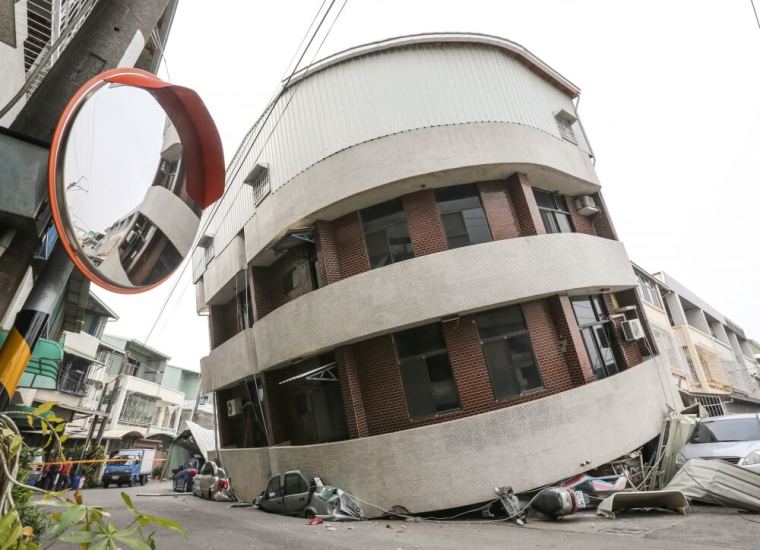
<point>734,438</point>
<point>292,493</point>
<point>211,482</point>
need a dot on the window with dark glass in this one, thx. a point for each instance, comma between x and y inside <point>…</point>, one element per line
<point>597,334</point>
<point>554,212</point>
<point>462,215</point>
<point>386,233</point>
<point>426,372</point>
<point>509,352</point>
<point>290,280</point>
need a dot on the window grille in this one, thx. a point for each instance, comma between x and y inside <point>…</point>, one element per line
<point>258,179</point>
<point>566,130</point>
<point>712,404</point>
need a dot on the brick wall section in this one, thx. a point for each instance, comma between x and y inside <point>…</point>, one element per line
<point>559,365</point>
<point>633,352</point>
<point>601,220</point>
<point>327,252</point>
<point>261,293</point>
<point>350,387</point>
<point>382,389</point>
<point>349,240</point>
<point>501,215</point>
<point>223,322</point>
<point>569,336</point>
<point>583,224</point>
<point>276,273</point>
<point>524,203</point>
<point>424,222</point>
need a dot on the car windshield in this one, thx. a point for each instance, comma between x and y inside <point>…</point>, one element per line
<point>741,429</point>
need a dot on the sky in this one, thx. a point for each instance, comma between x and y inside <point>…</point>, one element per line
<point>670,100</point>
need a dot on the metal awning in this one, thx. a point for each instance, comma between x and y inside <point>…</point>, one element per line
<point>325,373</point>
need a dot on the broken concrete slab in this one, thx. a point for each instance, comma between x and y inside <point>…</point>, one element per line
<point>659,500</point>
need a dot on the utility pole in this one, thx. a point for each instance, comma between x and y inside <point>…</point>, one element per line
<point>111,401</point>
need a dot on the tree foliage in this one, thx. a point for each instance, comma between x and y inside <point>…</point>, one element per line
<point>23,520</point>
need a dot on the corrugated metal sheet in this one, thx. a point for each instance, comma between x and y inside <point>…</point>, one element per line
<point>380,94</point>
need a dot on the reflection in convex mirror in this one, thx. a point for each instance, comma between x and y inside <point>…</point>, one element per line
<point>123,195</point>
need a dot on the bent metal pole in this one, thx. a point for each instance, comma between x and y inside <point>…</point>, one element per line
<point>30,321</point>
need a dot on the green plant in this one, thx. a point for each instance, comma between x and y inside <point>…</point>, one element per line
<point>88,527</point>
<point>29,514</point>
<point>157,471</point>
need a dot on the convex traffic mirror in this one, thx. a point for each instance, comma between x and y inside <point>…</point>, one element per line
<point>133,162</point>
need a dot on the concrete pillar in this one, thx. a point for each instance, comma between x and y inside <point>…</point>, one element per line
<point>678,317</point>
<point>524,202</point>
<point>353,402</point>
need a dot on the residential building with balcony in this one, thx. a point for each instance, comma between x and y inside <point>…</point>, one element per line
<point>721,372</point>
<point>413,285</point>
<point>195,407</point>
<point>143,411</point>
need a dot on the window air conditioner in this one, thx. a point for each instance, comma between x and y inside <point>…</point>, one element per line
<point>586,206</point>
<point>632,330</point>
<point>234,406</point>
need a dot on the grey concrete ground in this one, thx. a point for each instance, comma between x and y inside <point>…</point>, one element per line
<point>213,525</point>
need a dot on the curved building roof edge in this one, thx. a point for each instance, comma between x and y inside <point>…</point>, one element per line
<point>432,38</point>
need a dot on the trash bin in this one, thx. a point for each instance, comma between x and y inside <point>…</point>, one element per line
<point>76,482</point>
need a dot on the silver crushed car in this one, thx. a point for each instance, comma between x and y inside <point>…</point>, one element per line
<point>212,483</point>
<point>734,438</point>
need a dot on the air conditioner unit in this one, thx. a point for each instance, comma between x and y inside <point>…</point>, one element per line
<point>586,206</point>
<point>632,330</point>
<point>234,407</point>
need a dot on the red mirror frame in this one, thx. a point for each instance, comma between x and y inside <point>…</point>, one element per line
<point>202,149</point>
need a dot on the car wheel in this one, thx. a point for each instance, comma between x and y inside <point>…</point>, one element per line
<point>131,483</point>
<point>308,514</point>
<point>209,495</point>
<point>144,480</point>
<point>105,484</point>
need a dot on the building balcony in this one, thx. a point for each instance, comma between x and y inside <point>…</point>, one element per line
<point>80,344</point>
<point>420,290</point>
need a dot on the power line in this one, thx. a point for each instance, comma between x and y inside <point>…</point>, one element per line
<point>261,123</point>
<point>754,10</point>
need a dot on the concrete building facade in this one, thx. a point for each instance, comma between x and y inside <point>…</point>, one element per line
<point>722,370</point>
<point>418,254</point>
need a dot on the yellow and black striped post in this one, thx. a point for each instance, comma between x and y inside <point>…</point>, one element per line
<point>30,321</point>
<point>17,350</point>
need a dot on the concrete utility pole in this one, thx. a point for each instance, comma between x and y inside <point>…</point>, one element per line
<point>109,408</point>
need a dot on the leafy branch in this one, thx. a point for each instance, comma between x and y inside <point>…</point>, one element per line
<point>88,527</point>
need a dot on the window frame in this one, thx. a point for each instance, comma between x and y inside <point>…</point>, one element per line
<point>391,258</point>
<point>406,362</point>
<point>505,337</point>
<point>589,330</point>
<point>560,208</point>
<point>445,211</point>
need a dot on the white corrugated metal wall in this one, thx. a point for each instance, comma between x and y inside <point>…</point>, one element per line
<point>380,94</point>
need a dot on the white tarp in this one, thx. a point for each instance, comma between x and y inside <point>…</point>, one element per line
<point>718,482</point>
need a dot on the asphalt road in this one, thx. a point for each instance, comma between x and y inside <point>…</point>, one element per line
<point>212,525</point>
